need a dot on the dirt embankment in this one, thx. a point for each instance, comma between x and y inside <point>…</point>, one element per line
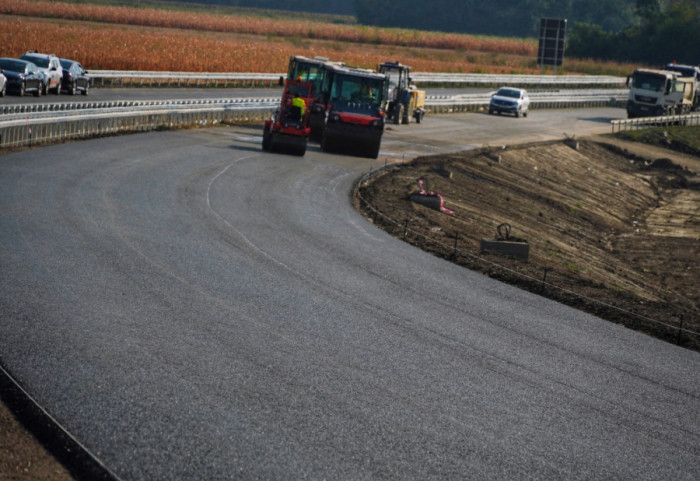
<point>613,225</point>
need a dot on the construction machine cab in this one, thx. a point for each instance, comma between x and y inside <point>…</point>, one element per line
<point>355,116</point>
<point>287,131</point>
<point>318,72</point>
<point>399,78</point>
<point>404,100</point>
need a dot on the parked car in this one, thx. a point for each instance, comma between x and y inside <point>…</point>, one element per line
<point>50,65</point>
<point>75,77</point>
<point>510,100</point>
<point>22,76</point>
<point>3,84</point>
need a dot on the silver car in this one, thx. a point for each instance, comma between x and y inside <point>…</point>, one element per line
<point>50,65</point>
<point>3,84</point>
<point>510,100</point>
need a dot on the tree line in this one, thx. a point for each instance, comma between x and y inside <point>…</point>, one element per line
<point>665,32</point>
<point>508,18</point>
<point>645,31</point>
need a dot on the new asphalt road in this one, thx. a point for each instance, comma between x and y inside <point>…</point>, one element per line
<point>192,308</point>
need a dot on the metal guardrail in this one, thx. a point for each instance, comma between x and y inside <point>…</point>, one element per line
<point>538,100</point>
<point>127,78</point>
<point>27,124</point>
<point>34,111</point>
<point>646,122</point>
<point>68,125</point>
<point>136,78</point>
<point>434,103</point>
<point>521,80</point>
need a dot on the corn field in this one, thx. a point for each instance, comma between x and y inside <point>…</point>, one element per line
<point>129,38</point>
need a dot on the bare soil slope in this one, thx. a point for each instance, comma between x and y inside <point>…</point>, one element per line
<point>614,225</point>
<point>22,457</point>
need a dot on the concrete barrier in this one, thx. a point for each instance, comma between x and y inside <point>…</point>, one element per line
<point>517,250</point>
<point>431,201</point>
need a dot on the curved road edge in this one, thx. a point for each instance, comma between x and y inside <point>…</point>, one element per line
<point>73,456</point>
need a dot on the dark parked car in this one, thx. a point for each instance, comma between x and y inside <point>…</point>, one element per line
<point>49,64</point>
<point>22,76</point>
<point>75,77</point>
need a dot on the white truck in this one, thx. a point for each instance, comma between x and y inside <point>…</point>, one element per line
<point>659,92</point>
<point>688,71</point>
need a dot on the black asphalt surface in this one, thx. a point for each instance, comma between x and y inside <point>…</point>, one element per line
<point>191,308</point>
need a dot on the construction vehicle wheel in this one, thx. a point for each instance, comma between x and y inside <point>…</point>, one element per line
<point>266,140</point>
<point>324,143</point>
<point>273,143</point>
<point>372,150</point>
<point>296,147</point>
<point>398,113</point>
<point>374,153</point>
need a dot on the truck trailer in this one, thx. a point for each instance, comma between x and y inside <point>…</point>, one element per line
<point>688,71</point>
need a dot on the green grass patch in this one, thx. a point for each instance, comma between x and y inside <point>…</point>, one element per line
<point>573,267</point>
<point>679,138</point>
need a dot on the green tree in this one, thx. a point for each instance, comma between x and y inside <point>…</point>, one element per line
<point>663,32</point>
<point>678,35</point>
<point>587,40</point>
<point>648,10</point>
<point>512,18</point>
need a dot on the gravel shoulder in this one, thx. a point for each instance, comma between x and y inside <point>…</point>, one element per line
<point>22,456</point>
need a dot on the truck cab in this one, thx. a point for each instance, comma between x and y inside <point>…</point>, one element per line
<point>658,92</point>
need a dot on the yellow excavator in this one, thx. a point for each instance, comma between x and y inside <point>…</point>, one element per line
<point>404,100</point>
